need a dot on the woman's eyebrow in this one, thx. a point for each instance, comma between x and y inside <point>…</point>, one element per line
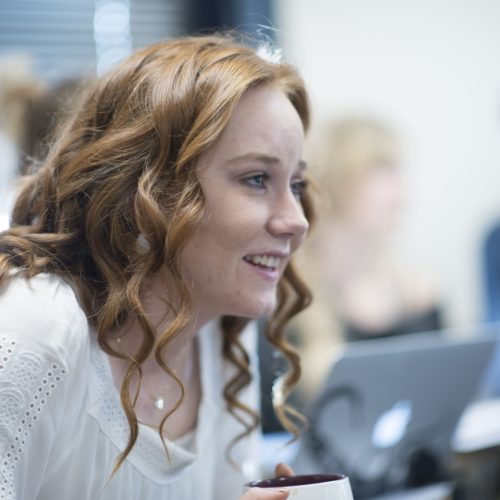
<point>263,158</point>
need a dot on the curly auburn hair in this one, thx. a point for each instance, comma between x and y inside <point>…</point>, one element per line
<point>122,168</point>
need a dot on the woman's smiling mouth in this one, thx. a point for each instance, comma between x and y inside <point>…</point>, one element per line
<point>266,261</point>
<point>267,265</point>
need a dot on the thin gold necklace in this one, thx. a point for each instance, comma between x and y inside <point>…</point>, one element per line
<point>159,400</point>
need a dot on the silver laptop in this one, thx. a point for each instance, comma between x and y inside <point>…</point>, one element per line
<point>388,409</point>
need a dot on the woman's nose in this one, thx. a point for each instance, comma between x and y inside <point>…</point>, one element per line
<point>288,218</point>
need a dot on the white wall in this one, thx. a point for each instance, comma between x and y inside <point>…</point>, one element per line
<point>432,68</point>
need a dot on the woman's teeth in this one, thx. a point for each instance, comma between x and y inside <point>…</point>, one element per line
<point>264,260</point>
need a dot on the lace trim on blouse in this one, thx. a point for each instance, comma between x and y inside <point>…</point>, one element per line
<point>26,384</point>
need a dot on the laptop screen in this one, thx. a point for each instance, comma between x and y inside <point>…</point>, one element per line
<point>387,411</point>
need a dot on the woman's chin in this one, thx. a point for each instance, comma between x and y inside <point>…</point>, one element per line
<point>259,310</point>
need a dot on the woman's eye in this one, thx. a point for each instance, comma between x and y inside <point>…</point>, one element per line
<point>257,180</point>
<point>298,188</point>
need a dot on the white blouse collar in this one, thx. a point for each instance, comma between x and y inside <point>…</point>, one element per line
<point>148,454</point>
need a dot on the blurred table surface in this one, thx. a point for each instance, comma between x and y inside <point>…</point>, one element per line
<point>441,491</point>
<point>476,446</point>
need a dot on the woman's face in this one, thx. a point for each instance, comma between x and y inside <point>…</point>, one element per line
<point>251,179</point>
<point>376,203</point>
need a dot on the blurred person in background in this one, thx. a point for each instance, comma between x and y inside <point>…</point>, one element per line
<point>490,283</point>
<point>363,288</point>
<point>162,221</point>
<point>490,263</point>
<point>29,108</point>
<point>19,90</point>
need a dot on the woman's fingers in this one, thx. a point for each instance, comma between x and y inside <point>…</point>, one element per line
<point>283,470</point>
<point>264,494</point>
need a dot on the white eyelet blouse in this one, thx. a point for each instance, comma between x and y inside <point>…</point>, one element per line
<point>62,425</point>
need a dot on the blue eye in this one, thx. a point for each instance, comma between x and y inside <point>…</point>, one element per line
<point>298,188</point>
<point>258,180</point>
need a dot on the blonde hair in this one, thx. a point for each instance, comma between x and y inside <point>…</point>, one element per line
<point>347,149</point>
<point>342,151</point>
<point>123,170</point>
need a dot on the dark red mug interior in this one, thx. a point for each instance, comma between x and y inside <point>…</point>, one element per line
<point>288,481</point>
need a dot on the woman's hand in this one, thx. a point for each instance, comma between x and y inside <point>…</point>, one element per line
<point>263,494</point>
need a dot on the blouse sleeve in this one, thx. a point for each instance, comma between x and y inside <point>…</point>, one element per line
<point>43,341</point>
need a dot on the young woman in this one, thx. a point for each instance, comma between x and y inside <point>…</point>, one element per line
<point>162,221</point>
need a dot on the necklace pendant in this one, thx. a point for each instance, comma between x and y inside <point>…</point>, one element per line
<point>159,403</point>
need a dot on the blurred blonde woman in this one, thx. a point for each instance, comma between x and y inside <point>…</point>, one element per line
<point>363,289</point>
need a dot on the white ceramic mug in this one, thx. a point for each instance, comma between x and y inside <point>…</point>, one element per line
<point>309,486</point>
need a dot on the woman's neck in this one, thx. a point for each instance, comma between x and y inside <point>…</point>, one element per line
<point>160,306</point>
<point>159,391</point>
